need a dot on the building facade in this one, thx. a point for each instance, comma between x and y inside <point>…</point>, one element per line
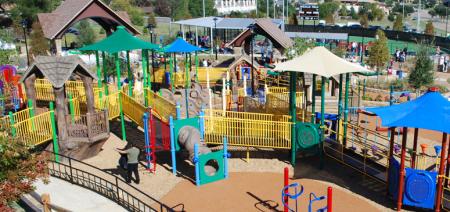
<point>227,6</point>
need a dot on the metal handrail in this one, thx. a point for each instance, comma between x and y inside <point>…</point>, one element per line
<point>116,190</point>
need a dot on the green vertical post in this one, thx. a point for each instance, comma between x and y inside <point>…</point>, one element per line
<point>359,93</point>
<point>347,87</point>
<point>99,70</point>
<point>364,89</point>
<point>105,75</point>
<point>144,74</point>
<point>322,121</point>
<point>175,69</point>
<point>391,95</point>
<point>313,98</point>
<point>30,106</point>
<point>172,80</point>
<point>196,66</point>
<point>54,136</point>
<point>149,76</point>
<point>119,87</point>
<point>293,113</point>
<point>186,85</point>
<point>71,109</point>
<point>130,75</point>
<point>340,106</point>
<point>11,121</point>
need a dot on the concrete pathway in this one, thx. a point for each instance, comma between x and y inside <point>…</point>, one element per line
<point>75,198</point>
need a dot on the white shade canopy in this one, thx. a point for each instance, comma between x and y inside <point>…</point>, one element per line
<point>320,61</point>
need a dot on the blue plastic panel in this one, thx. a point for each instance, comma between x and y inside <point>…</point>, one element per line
<point>420,188</point>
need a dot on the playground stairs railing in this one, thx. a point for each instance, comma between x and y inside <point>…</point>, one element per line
<point>274,89</point>
<point>5,122</point>
<point>104,183</point>
<point>279,81</point>
<point>446,192</point>
<point>89,127</point>
<point>248,129</point>
<point>133,109</point>
<point>110,103</point>
<point>164,107</point>
<point>35,130</point>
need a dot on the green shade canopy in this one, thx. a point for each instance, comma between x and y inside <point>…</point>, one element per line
<point>120,40</point>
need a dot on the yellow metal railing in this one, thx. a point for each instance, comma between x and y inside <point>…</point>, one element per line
<point>35,130</point>
<point>248,129</point>
<point>44,89</point>
<point>278,89</point>
<point>162,106</point>
<point>110,102</point>
<point>133,109</point>
<point>18,117</point>
<point>445,185</point>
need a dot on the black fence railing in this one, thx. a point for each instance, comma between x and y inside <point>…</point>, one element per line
<point>105,184</point>
<point>363,32</point>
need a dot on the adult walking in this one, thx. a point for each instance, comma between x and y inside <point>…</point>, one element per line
<point>132,162</point>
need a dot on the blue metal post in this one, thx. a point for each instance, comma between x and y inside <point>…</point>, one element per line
<point>172,146</point>
<point>178,111</point>
<point>202,125</point>
<point>147,140</point>
<point>225,157</point>
<point>197,168</point>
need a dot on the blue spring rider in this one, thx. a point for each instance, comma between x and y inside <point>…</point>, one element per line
<point>312,198</point>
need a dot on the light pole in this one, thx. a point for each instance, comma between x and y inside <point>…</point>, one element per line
<point>447,4</point>
<point>24,27</point>
<point>215,36</point>
<point>267,8</point>
<point>204,8</point>
<point>252,30</point>
<point>150,30</point>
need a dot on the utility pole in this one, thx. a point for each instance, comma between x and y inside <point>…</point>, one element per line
<point>204,14</point>
<point>418,17</point>
<point>283,12</point>
<point>267,9</point>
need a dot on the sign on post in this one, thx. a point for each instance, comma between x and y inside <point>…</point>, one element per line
<point>309,12</point>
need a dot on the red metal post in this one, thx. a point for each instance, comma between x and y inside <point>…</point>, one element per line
<point>330,199</point>
<point>286,183</point>
<point>402,170</point>
<point>153,140</point>
<point>414,153</point>
<point>441,172</point>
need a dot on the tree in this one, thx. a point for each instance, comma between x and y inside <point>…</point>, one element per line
<point>135,13</point>
<point>28,9</point>
<point>343,11</point>
<point>181,11</point>
<point>391,17</point>
<point>301,45</point>
<point>441,11</point>
<point>151,19</point>
<point>422,74</point>
<point>398,24</point>
<point>19,170</point>
<point>379,52</point>
<point>163,8</point>
<point>353,13</point>
<point>87,34</point>
<point>328,9</point>
<point>6,37</point>
<point>39,44</point>
<point>364,21</point>
<point>293,19</point>
<point>432,13</point>
<point>429,28</point>
<point>196,8</point>
<point>398,8</point>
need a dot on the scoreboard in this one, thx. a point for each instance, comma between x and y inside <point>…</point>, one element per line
<point>309,12</point>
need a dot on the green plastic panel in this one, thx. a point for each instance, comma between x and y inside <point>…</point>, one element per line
<point>203,159</point>
<point>307,135</point>
<point>178,124</point>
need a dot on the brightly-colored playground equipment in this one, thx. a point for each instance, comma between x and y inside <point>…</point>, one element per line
<point>298,191</point>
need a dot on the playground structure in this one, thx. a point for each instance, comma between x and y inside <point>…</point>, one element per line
<point>270,124</point>
<point>286,195</point>
<point>11,94</point>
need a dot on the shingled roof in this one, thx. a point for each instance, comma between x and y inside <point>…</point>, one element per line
<point>70,11</point>
<point>267,28</point>
<point>58,69</point>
